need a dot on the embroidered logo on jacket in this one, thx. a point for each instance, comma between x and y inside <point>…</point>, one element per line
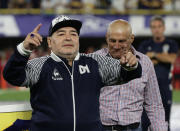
<point>83,69</point>
<point>165,48</point>
<point>56,75</point>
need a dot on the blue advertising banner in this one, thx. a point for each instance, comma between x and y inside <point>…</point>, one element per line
<point>93,25</point>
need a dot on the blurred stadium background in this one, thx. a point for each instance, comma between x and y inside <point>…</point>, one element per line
<point>19,17</point>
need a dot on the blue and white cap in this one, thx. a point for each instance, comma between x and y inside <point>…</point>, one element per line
<point>64,21</point>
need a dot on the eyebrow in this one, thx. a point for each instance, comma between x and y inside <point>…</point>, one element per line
<point>73,31</point>
<point>112,39</point>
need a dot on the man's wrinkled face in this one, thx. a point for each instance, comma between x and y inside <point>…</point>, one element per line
<point>65,41</point>
<point>157,28</point>
<point>119,43</point>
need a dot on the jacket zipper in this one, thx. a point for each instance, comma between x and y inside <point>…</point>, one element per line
<point>72,82</point>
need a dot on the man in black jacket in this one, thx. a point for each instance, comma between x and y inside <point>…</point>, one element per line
<point>65,85</point>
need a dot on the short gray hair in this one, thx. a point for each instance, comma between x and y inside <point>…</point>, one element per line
<point>158,18</point>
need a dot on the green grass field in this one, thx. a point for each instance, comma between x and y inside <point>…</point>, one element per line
<point>176,96</point>
<point>23,95</point>
<point>14,95</point>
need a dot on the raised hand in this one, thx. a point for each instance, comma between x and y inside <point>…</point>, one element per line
<point>33,39</point>
<point>128,60</point>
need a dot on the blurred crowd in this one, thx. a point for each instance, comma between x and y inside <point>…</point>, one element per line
<point>119,5</point>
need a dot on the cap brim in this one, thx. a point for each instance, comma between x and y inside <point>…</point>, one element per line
<point>67,23</point>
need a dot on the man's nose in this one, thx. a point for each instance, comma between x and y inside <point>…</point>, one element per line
<point>117,45</point>
<point>68,37</point>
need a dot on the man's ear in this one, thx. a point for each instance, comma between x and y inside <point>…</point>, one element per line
<point>132,38</point>
<point>49,42</point>
<point>106,38</point>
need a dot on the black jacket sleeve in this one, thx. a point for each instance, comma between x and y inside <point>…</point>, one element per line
<point>14,70</point>
<point>130,75</point>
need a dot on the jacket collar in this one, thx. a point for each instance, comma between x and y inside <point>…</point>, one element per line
<point>59,59</point>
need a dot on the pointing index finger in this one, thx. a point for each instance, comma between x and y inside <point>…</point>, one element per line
<point>37,28</point>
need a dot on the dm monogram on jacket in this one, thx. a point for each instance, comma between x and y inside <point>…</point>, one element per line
<point>84,69</point>
<point>56,75</point>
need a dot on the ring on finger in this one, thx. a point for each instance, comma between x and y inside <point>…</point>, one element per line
<point>127,65</point>
<point>32,35</point>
